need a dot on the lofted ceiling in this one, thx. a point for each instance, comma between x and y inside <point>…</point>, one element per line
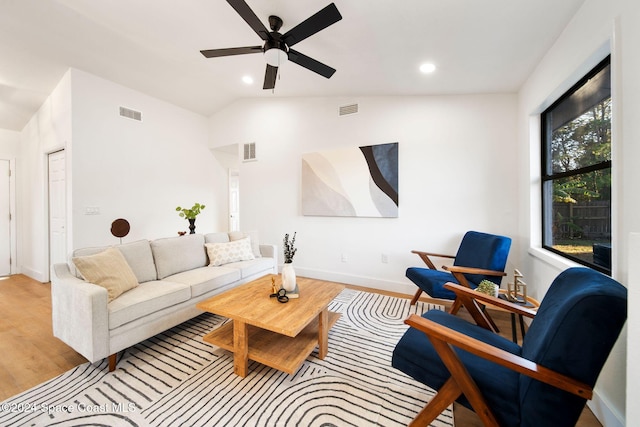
<point>478,46</point>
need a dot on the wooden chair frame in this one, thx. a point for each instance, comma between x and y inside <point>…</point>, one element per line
<point>444,340</point>
<point>456,270</point>
<point>459,273</point>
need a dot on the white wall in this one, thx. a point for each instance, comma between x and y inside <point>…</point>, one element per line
<point>9,144</point>
<point>597,28</point>
<point>139,171</point>
<point>455,167</point>
<point>633,350</point>
<point>47,131</point>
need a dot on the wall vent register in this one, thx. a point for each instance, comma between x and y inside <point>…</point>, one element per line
<point>249,152</point>
<point>348,109</point>
<point>130,114</point>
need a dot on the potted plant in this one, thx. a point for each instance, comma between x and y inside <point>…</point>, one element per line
<point>488,287</point>
<point>190,215</point>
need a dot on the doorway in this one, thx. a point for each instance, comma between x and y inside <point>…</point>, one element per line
<point>5,218</point>
<point>229,158</point>
<point>57,208</point>
<point>234,200</point>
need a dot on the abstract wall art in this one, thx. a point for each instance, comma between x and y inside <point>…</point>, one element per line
<point>358,181</point>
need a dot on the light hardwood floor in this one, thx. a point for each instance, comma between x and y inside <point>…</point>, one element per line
<point>31,355</point>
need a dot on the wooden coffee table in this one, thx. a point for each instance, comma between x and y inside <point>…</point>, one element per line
<point>279,335</point>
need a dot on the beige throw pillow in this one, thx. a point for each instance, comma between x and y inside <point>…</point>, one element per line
<point>253,238</point>
<point>108,269</point>
<point>224,253</point>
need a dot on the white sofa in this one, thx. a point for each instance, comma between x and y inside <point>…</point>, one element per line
<point>173,275</point>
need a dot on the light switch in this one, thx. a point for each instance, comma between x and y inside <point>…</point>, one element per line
<point>92,210</point>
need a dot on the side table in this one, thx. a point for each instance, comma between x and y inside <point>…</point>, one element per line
<point>530,303</point>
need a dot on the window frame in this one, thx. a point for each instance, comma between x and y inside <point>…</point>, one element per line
<point>548,178</point>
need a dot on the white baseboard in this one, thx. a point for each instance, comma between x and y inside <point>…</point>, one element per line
<point>369,282</point>
<point>604,413</point>
<point>34,274</point>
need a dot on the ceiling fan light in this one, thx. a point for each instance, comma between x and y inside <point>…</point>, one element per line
<point>275,57</point>
<point>427,68</point>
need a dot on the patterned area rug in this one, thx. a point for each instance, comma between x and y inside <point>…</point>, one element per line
<point>176,379</point>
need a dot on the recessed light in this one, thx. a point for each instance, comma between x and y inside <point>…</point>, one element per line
<point>248,80</point>
<point>427,68</point>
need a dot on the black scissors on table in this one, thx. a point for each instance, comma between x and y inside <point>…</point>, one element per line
<point>281,295</point>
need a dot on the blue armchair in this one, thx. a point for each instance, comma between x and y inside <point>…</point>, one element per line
<point>480,256</point>
<point>546,381</point>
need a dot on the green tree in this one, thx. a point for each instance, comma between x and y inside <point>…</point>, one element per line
<point>583,142</point>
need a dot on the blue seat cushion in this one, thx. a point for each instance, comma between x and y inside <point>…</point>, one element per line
<point>432,281</point>
<point>415,356</point>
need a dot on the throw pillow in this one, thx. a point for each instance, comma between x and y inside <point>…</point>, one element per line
<point>108,269</point>
<point>224,253</point>
<point>252,235</point>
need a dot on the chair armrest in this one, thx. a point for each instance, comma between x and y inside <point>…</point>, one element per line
<point>424,256</point>
<point>463,292</point>
<point>472,270</point>
<point>435,331</point>
<point>459,271</point>
<point>79,313</point>
<point>433,254</point>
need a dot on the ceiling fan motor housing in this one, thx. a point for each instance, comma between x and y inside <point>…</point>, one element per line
<point>276,52</point>
<point>275,23</point>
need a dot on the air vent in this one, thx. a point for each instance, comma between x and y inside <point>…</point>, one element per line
<point>348,109</point>
<point>130,114</point>
<point>249,152</point>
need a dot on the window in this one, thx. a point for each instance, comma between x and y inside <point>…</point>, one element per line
<point>576,172</point>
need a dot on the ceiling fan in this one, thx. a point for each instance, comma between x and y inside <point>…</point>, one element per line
<point>277,47</point>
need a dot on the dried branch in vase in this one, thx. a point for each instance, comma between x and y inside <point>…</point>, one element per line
<point>289,248</point>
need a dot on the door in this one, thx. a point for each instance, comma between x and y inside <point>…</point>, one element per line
<point>57,208</point>
<point>5,218</point>
<point>234,200</point>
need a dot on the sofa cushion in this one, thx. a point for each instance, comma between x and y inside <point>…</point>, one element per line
<point>205,279</point>
<point>216,238</point>
<point>145,299</point>
<point>224,253</point>
<point>255,266</point>
<point>253,235</point>
<point>140,259</point>
<point>176,254</point>
<point>108,269</point>
<point>138,255</point>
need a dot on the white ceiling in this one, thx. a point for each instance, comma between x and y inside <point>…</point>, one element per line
<point>479,46</point>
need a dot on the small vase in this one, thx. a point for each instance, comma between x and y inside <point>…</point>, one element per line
<point>192,225</point>
<point>288,277</point>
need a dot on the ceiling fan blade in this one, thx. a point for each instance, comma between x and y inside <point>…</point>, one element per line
<point>318,22</point>
<point>311,64</point>
<point>270,75</point>
<point>250,17</point>
<point>214,53</point>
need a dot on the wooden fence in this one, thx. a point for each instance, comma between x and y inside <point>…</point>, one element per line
<point>586,220</point>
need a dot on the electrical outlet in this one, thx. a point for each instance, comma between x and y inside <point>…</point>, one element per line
<point>343,258</point>
<point>384,258</point>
